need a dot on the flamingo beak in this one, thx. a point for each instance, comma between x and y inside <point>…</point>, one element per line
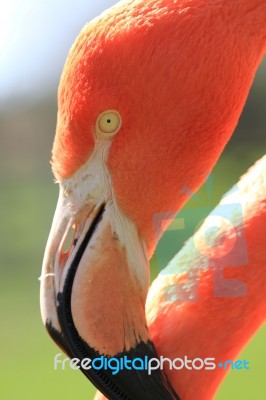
<point>93,302</point>
<point>69,236</point>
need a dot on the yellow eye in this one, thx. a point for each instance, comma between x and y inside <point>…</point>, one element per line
<point>108,124</point>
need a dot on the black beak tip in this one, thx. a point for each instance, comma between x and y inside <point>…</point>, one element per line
<point>131,377</point>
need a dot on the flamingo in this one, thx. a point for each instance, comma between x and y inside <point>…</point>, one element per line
<point>149,96</point>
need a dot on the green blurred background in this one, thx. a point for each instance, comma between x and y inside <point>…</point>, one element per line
<point>34,40</point>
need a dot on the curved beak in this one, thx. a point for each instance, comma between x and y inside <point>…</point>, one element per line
<point>67,241</point>
<point>94,284</point>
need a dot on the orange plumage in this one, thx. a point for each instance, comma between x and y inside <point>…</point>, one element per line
<point>177,73</point>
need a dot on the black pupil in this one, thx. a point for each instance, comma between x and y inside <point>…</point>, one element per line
<point>108,121</point>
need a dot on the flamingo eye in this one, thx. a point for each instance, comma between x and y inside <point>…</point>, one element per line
<point>108,124</point>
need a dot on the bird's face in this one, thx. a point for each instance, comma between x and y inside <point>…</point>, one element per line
<point>144,109</point>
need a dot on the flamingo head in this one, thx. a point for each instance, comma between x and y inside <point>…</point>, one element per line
<point>149,95</point>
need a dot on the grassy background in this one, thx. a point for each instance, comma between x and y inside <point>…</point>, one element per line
<point>28,199</point>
